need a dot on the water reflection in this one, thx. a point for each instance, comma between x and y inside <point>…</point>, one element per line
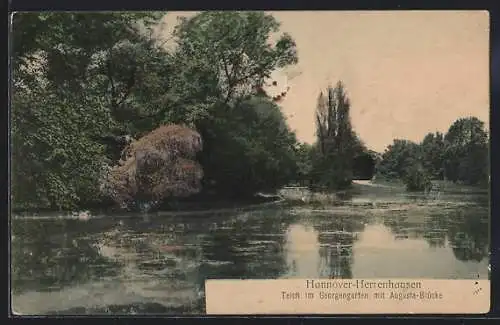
<point>468,235</point>
<point>137,265</point>
<point>48,255</point>
<point>302,251</point>
<point>466,231</point>
<point>445,243</point>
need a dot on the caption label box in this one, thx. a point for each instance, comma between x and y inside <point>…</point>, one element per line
<point>354,296</point>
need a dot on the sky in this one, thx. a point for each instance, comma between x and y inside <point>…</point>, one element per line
<point>406,73</point>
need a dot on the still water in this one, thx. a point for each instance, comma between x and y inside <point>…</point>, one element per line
<point>136,265</point>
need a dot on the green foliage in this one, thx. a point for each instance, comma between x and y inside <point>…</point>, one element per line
<point>398,158</point>
<point>305,154</point>
<point>46,261</point>
<point>105,54</point>
<point>251,150</point>
<point>337,144</point>
<point>466,155</point>
<point>55,162</point>
<point>45,31</point>
<point>364,165</point>
<point>81,78</point>
<point>460,156</point>
<point>62,102</point>
<point>416,178</point>
<point>433,149</point>
<point>223,57</point>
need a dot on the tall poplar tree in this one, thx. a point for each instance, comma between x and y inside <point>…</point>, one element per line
<point>336,139</point>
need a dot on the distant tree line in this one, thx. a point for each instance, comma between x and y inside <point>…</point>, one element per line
<point>338,155</point>
<point>461,155</point>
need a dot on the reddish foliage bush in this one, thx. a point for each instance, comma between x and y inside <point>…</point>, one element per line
<point>157,166</point>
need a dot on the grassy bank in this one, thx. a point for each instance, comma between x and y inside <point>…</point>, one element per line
<point>446,186</point>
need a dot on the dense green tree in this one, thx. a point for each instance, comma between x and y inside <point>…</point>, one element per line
<point>221,58</point>
<point>87,84</point>
<point>41,31</point>
<point>55,163</point>
<point>398,158</point>
<point>416,178</point>
<point>305,154</point>
<point>466,155</point>
<point>337,143</point>
<point>460,156</point>
<point>64,98</point>
<point>231,53</point>
<point>224,58</point>
<point>104,55</point>
<point>82,52</point>
<point>433,148</point>
<point>251,150</point>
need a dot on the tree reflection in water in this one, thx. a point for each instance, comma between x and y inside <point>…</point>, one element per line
<point>161,263</point>
<point>50,254</point>
<point>468,234</point>
<point>251,245</point>
<point>464,229</point>
<point>435,228</point>
<point>302,251</point>
<point>322,246</point>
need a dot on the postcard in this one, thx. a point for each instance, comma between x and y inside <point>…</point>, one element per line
<point>250,163</point>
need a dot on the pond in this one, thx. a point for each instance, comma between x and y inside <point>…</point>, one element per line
<point>133,264</point>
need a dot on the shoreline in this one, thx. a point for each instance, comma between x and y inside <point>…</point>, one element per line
<point>161,213</point>
<point>289,195</point>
